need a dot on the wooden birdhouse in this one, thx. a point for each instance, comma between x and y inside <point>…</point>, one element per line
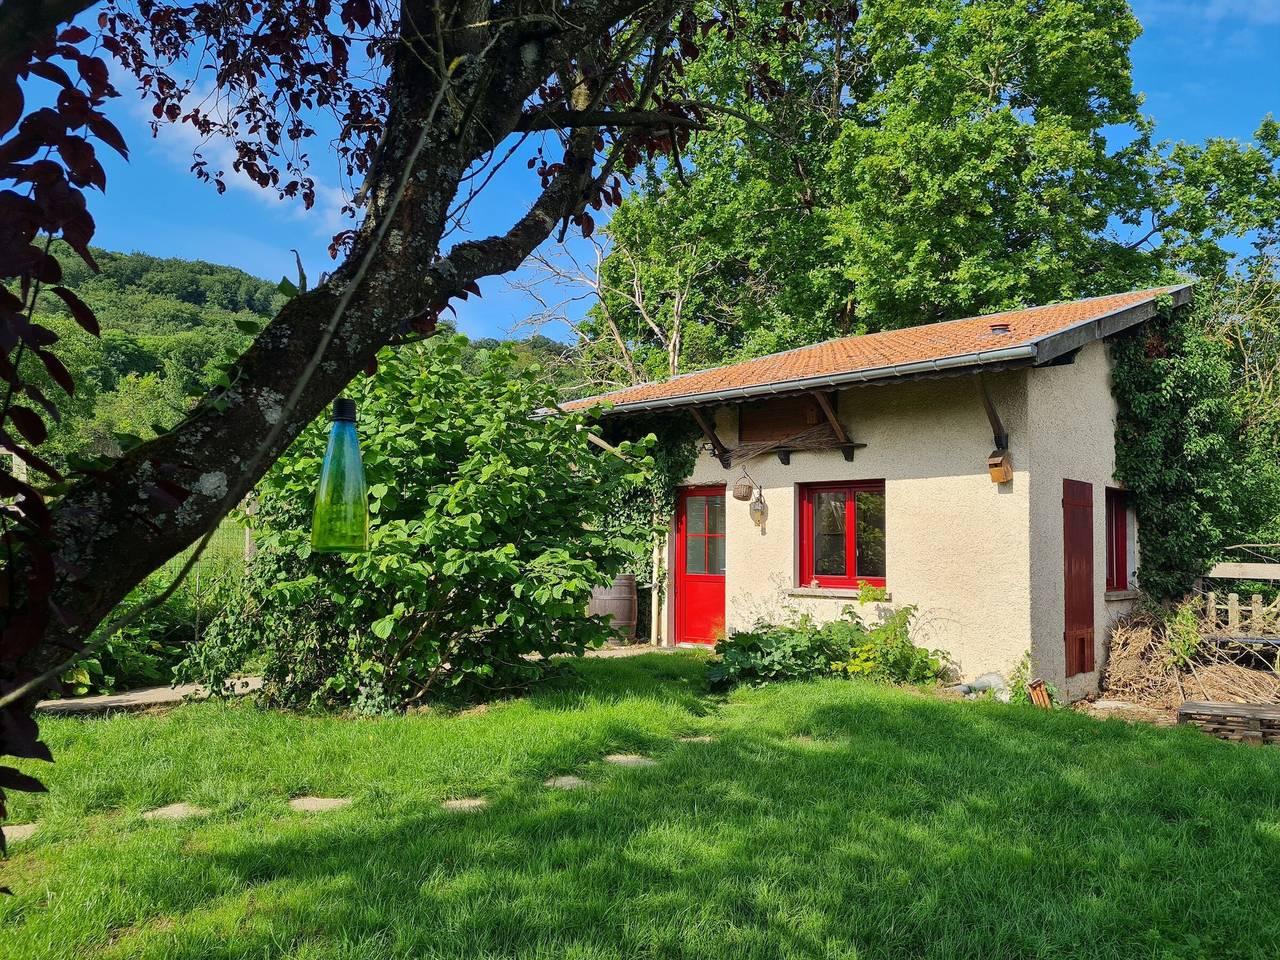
<point>1000,466</point>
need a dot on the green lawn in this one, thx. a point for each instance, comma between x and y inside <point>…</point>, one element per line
<point>830,819</point>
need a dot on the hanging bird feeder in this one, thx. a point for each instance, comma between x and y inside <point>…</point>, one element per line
<point>340,520</point>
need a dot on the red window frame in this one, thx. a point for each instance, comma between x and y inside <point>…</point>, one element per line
<point>706,535</point>
<point>850,579</point>
<point>1117,539</point>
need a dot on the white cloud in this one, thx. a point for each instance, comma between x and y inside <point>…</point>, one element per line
<point>181,141</point>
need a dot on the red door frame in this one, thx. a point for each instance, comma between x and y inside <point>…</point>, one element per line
<point>1077,570</point>
<point>699,597</point>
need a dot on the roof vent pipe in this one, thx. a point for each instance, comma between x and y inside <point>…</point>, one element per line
<point>999,326</point>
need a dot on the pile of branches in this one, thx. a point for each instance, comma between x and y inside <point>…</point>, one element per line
<point>1160,658</point>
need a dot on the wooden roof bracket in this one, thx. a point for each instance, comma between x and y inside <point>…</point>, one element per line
<point>847,445</point>
<point>1000,463</point>
<point>998,432</point>
<point>718,449</point>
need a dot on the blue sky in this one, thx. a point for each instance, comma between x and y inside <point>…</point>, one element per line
<point>1207,67</point>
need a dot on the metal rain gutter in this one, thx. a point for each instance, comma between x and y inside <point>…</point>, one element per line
<point>982,358</point>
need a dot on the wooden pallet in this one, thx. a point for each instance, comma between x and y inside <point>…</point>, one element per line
<point>1241,722</point>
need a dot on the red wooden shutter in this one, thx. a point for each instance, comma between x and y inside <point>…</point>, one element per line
<point>1077,548</point>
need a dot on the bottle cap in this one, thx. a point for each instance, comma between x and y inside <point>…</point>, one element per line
<point>344,409</point>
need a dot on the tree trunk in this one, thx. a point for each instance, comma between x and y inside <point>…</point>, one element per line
<point>112,530</point>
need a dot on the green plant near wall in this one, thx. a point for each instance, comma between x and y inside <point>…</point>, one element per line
<point>637,501</point>
<point>1200,479</point>
<point>481,554</point>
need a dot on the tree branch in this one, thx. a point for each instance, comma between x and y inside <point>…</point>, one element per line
<point>568,119</point>
<point>23,22</point>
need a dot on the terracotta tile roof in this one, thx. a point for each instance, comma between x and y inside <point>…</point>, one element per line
<point>954,343</point>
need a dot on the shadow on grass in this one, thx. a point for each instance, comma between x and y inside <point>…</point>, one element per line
<point>665,678</point>
<point>896,826</point>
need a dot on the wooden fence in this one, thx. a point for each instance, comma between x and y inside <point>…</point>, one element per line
<point>1232,616</point>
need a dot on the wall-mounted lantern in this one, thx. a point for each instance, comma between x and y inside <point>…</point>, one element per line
<point>340,519</point>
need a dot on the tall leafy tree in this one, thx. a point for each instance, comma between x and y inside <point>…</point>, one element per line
<point>927,162</point>
<point>427,98</point>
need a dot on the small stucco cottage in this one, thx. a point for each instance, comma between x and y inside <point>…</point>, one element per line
<point>870,461</point>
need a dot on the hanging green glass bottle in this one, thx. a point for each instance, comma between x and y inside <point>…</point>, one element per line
<point>340,521</point>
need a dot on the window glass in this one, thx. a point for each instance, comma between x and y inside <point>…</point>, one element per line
<point>715,514</point>
<point>695,555</point>
<point>696,514</point>
<point>829,533</point>
<point>715,555</point>
<point>869,533</point>
<point>1117,540</point>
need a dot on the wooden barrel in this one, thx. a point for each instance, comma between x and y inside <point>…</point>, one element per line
<point>618,603</point>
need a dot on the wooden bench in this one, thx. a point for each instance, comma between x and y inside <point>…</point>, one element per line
<point>1241,722</point>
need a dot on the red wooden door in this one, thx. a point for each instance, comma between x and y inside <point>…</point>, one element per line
<point>1077,563</point>
<point>699,583</point>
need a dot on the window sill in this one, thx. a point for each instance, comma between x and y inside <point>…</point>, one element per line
<point>830,593</point>
<point>1111,595</point>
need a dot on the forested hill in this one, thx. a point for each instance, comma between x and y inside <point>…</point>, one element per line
<point>146,295</point>
<point>166,324</point>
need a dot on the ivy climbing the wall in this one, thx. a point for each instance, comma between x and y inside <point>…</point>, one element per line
<point>635,502</point>
<point>1202,472</point>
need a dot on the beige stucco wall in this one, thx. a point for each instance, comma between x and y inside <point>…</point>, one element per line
<point>1072,420</point>
<point>957,545</point>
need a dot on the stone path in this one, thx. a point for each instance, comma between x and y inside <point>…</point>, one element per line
<point>143,699</point>
<point>629,650</point>
<point>175,811</point>
<point>567,782</point>
<point>316,804</point>
<point>464,804</point>
<point>180,811</point>
<point>15,832</point>
<point>149,697</point>
<point>630,760</point>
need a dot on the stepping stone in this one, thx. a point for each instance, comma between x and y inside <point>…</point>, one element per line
<point>705,738</point>
<point>463,804</point>
<point>567,782</point>
<point>175,811</point>
<point>317,804</point>
<point>630,760</point>
<point>14,832</point>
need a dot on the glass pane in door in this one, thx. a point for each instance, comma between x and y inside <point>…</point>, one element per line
<point>695,554</point>
<point>695,511</point>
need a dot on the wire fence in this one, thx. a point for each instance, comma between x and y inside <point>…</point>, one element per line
<point>213,583</point>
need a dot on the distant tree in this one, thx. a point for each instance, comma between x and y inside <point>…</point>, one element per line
<point>608,352</point>
<point>159,348</point>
